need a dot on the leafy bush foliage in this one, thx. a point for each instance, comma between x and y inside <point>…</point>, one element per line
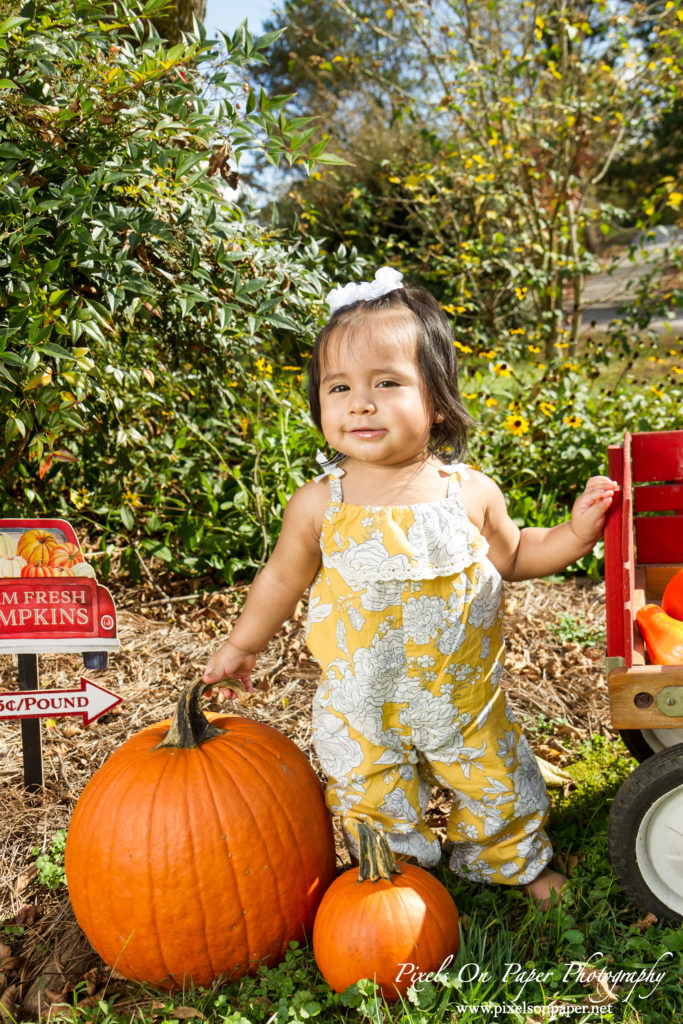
<point>144,316</point>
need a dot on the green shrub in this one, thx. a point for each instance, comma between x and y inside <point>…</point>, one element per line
<point>139,304</point>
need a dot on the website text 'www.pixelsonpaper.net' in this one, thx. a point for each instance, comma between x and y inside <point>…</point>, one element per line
<point>551,1010</point>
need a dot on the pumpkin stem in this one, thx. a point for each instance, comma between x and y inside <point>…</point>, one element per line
<point>375,858</point>
<point>190,726</point>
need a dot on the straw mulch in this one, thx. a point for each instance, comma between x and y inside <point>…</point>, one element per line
<point>164,645</point>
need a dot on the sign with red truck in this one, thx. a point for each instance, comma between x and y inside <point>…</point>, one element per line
<point>49,599</point>
<point>50,603</point>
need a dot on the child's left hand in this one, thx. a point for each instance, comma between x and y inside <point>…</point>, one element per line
<point>590,508</point>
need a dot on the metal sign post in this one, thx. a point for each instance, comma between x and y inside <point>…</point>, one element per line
<point>30,727</point>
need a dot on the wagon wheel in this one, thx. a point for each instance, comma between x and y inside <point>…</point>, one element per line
<point>643,743</point>
<point>645,835</point>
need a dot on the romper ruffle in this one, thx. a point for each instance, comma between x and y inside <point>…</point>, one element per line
<point>421,541</point>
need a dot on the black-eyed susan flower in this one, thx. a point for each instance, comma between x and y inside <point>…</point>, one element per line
<point>517,425</point>
<point>573,421</point>
<point>503,369</point>
<point>547,408</point>
<point>491,402</point>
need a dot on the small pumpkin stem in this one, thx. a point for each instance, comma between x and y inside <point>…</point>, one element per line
<point>374,856</point>
<point>190,726</point>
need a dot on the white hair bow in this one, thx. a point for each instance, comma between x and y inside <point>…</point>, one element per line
<point>386,280</point>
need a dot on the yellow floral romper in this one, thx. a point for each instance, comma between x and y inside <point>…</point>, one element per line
<point>405,619</point>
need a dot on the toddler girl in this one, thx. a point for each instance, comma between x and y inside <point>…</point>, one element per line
<point>406,548</point>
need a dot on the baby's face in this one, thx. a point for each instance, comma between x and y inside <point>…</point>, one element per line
<point>373,401</point>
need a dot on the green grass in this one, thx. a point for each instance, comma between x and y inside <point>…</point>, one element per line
<point>572,629</point>
<point>512,956</point>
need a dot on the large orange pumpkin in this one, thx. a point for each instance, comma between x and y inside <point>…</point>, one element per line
<point>672,598</point>
<point>384,922</point>
<point>35,546</point>
<point>199,850</point>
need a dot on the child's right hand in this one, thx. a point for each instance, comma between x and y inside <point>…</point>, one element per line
<point>227,661</point>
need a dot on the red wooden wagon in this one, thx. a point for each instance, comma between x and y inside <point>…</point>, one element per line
<point>643,549</point>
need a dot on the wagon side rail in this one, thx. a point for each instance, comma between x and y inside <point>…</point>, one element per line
<point>649,471</point>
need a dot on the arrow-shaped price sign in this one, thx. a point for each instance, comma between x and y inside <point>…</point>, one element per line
<point>90,701</point>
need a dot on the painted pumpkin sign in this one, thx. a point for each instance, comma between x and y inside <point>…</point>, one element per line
<point>49,598</point>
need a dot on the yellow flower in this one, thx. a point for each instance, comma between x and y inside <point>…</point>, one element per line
<point>533,348</point>
<point>489,354</point>
<point>547,408</point>
<point>461,347</point>
<point>570,366</point>
<point>677,369</point>
<point>656,391</point>
<point>133,498</point>
<point>502,369</point>
<point>518,330</point>
<point>517,425</point>
<point>491,401</point>
<point>573,421</point>
<point>263,367</point>
<point>469,396</point>
<point>561,344</point>
<point>520,292</point>
<point>78,498</point>
<point>244,426</point>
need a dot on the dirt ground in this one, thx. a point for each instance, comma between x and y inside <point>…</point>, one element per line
<point>165,642</point>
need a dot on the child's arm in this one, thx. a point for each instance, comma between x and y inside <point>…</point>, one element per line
<point>534,551</point>
<point>275,592</point>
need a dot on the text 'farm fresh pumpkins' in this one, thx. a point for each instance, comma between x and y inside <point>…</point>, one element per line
<point>199,850</point>
<point>384,922</point>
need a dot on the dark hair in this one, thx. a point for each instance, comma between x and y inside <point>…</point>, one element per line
<point>435,355</point>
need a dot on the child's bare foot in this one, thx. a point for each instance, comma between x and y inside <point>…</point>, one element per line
<point>543,885</point>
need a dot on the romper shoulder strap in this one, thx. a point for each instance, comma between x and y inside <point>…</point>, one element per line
<point>335,472</point>
<point>458,472</point>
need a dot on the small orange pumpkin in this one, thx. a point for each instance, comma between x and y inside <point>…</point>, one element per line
<point>35,546</point>
<point>662,634</point>
<point>65,555</point>
<point>672,598</point>
<point>200,848</point>
<point>384,922</point>
<point>40,569</point>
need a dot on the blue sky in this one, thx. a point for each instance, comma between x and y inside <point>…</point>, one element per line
<point>226,15</point>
